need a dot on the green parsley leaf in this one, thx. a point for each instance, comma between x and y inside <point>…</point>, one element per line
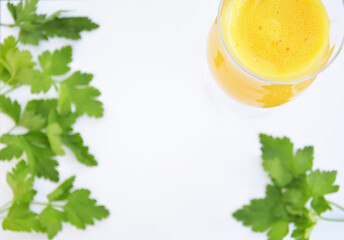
<point>34,27</point>
<point>81,210</point>
<point>15,65</point>
<point>75,143</point>
<point>51,220</point>
<point>76,91</point>
<point>295,200</point>
<point>274,197</point>
<point>295,185</point>
<point>280,148</point>
<point>257,215</point>
<point>56,63</point>
<point>62,192</point>
<point>278,171</point>
<point>277,153</point>
<point>296,195</point>
<point>23,10</point>
<point>21,183</point>
<point>13,148</point>
<point>304,225</point>
<point>53,64</point>
<point>68,27</point>
<point>54,132</point>
<point>36,113</point>
<point>320,205</point>
<point>322,183</point>
<point>303,160</point>
<point>279,230</point>
<point>21,219</point>
<point>41,114</point>
<point>39,155</point>
<point>260,214</point>
<point>32,121</point>
<point>10,44</point>
<point>40,82</point>
<point>11,109</point>
<point>67,120</point>
<point>46,108</point>
<point>38,152</point>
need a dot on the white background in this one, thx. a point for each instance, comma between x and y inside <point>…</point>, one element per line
<point>174,164</point>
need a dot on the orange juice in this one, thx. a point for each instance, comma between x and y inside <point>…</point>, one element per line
<point>259,49</point>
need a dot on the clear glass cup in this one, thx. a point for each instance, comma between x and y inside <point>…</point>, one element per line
<point>246,87</point>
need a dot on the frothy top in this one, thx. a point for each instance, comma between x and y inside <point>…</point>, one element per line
<point>276,39</point>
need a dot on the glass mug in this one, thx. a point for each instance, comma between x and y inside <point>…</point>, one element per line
<point>246,87</point>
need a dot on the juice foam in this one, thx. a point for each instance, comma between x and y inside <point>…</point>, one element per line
<point>276,39</point>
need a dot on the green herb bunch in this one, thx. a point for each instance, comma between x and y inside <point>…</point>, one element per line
<point>296,196</point>
<point>48,123</point>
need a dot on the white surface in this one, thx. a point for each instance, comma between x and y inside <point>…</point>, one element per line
<point>172,163</point>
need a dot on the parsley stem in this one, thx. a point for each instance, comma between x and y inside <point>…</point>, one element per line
<point>39,203</point>
<point>46,204</point>
<point>55,86</point>
<point>4,210</point>
<point>5,207</point>
<point>6,84</point>
<point>11,130</point>
<point>10,90</point>
<point>337,205</point>
<point>2,87</point>
<point>331,220</point>
<point>7,25</point>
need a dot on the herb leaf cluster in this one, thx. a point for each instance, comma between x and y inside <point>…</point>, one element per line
<point>48,123</point>
<point>297,195</point>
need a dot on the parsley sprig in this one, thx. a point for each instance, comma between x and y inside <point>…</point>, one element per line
<point>36,27</point>
<point>296,195</point>
<point>48,123</point>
